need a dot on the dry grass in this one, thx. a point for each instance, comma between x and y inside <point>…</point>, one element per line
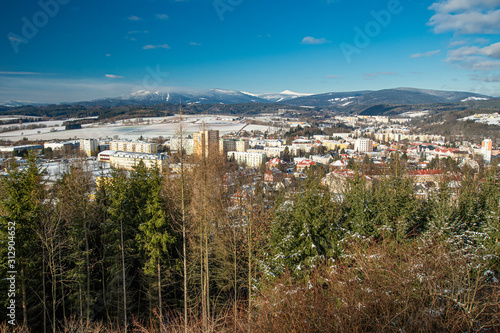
<point>414,286</point>
<point>388,287</point>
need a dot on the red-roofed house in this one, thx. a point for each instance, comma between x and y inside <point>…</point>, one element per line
<point>304,164</point>
<point>273,176</point>
<point>274,163</point>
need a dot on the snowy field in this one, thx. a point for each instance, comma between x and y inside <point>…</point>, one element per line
<point>490,119</point>
<point>133,129</point>
<point>414,114</point>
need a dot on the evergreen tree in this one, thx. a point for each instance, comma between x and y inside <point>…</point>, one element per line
<point>22,207</point>
<point>155,235</point>
<point>305,230</point>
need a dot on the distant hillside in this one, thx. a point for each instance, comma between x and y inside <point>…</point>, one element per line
<point>396,96</point>
<point>131,111</point>
<point>366,102</point>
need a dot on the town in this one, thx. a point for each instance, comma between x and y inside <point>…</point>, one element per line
<point>281,151</point>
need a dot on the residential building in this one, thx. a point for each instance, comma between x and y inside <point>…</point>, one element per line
<point>61,145</point>
<point>325,159</point>
<point>273,176</point>
<point>187,145</point>
<point>363,145</point>
<point>486,148</point>
<point>127,160</point>
<point>247,158</point>
<point>304,164</point>
<point>89,146</point>
<point>206,143</point>
<point>226,146</point>
<point>242,145</point>
<point>275,163</point>
<point>133,146</point>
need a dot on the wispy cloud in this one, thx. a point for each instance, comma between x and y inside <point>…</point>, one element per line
<point>15,39</point>
<point>314,41</point>
<point>332,76</point>
<point>194,44</point>
<point>490,78</point>
<point>466,17</point>
<point>152,47</point>
<point>134,18</point>
<point>425,54</point>
<point>377,74</point>
<point>492,51</point>
<point>113,76</point>
<point>476,58</point>
<point>19,73</point>
<point>162,16</point>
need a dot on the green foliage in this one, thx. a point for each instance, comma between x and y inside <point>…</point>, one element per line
<point>305,230</point>
<point>155,235</point>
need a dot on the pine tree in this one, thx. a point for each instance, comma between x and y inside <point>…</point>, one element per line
<point>155,235</point>
<point>22,206</point>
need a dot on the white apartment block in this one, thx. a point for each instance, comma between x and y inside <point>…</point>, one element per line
<point>187,144</point>
<point>133,146</point>
<point>242,146</point>
<point>274,151</point>
<point>247,158</point>
<point>363,145</point>
<point>127,160</point>
<point>89,147</point>
<point>61,145</point>
<point>486,148</point>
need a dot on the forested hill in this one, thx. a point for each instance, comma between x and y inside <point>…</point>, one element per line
<point>213,248</point>
<point>166,109</point>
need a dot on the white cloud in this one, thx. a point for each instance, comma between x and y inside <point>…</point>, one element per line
<point>425,54</point>
<point>457,43</point>
<point>18,73</point>
<point>332,76</point>
<point>108,55</point>
<point>162,16</point>
<point>194,44</point>
<point>491,51</point>
<point>476,58</point>
<point>113,76</point>
<point>451,6</point>
<point>134,18</point>
<point>152,47</point>
<point>466,17</point>
<point>314,41</point>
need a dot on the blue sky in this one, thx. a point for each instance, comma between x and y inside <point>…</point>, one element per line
<point>71,50</point>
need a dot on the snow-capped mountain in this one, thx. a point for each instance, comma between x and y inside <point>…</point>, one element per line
<point>18,103</point>
<point>213,96</point>
<point>395,96</point>
<point>386,96</point>
<point>282,96</point>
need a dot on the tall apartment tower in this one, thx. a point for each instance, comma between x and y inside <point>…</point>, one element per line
<point>90,147</point>
<point>363,145</point>
<point>486,147</point>
<point>206,143</point>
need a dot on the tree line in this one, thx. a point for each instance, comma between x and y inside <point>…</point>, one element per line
<point>209,247</point>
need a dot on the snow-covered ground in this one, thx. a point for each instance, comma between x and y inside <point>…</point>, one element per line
<point>133,129</point>
<point>415,114</point>
<point>490,119</point>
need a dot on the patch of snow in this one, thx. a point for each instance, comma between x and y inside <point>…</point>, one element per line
<point>472,98</point>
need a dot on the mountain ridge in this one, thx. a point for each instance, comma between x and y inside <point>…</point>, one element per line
<point>331,100</point>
